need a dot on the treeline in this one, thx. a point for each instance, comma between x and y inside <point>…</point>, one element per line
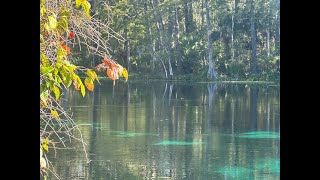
<point>195,39</point>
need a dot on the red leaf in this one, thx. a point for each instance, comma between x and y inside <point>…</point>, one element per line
<point>107,62</point>
<point>66,48</point>
<point>71,34</point>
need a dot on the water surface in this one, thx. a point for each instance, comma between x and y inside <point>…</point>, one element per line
<point>174,130</point>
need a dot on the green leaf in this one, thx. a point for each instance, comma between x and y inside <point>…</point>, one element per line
<point>44,60</point>
<point>51,84</point>
<point>45,70</point>
<point>49,75</point>
<point>58,64</point>
<point>55,71</point>
<point>56,91</point>
<point>64,13</point>
<point>86,7</point>
<point>69,67</point>
<point>59,80</point>
<point>65,76</point>
<point>92,74</point>
<point>61,54</point>
<point>64,23</point>
<point>52,22</point>
<point>41,39</point>
<point>42,88</point>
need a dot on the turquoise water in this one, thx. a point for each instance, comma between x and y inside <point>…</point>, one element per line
<point>174,131</point>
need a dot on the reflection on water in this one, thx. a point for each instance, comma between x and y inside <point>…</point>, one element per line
<point>171,130</point>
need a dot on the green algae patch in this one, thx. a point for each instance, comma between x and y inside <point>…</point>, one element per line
<point>260,135</point>
<point>234,172</point>
<point>268,165</point>
<point>178,143</point>
<point>128,134</point>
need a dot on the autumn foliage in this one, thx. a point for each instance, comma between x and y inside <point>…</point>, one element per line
<point>61,32</point>
<point>112,68</point>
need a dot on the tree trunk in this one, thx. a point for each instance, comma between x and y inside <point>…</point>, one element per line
<point>202,13</point>
<point>169,38</point>
<point>127,49</point>
<point>188,15</point>
<point>190,11</point>
<point>177,43</point>
<point>211,72</point>
<point>226,40</point>
<point>235,20</point>
<point>232,34</point>
<point>253,64</point>
<point>268,40</point>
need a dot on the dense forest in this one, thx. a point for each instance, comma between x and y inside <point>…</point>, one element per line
<point>192,39</point>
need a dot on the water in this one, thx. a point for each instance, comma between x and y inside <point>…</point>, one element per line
<point>171,130</point>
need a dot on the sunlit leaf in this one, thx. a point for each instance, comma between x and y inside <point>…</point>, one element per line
<point>44,60</point>
<point>52,22</point>
<point>120,69</point>
<point>44,97</point>
<point>46,140</point>
<point>79,2</point>
<point>125,73</point>
<point>70,67</point>
<point>46,27</point>
<point>55,114</point>
<point>64,13</point>
<point>41,152</point>
<point>86,7</point>
<point>45,70</point>
<point>89,83</point>
<point>55,71</point>
<point>45,147</point>
<point>92,74</point>
<point>63,23</point>
<point>56,91</point>
<point>41,39</point>
<point>42,10</point>
<point>68,80</point>
<point>58,64</point>
<point>61,53</point>
<point>83,90</point>
<point>110,74</point>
